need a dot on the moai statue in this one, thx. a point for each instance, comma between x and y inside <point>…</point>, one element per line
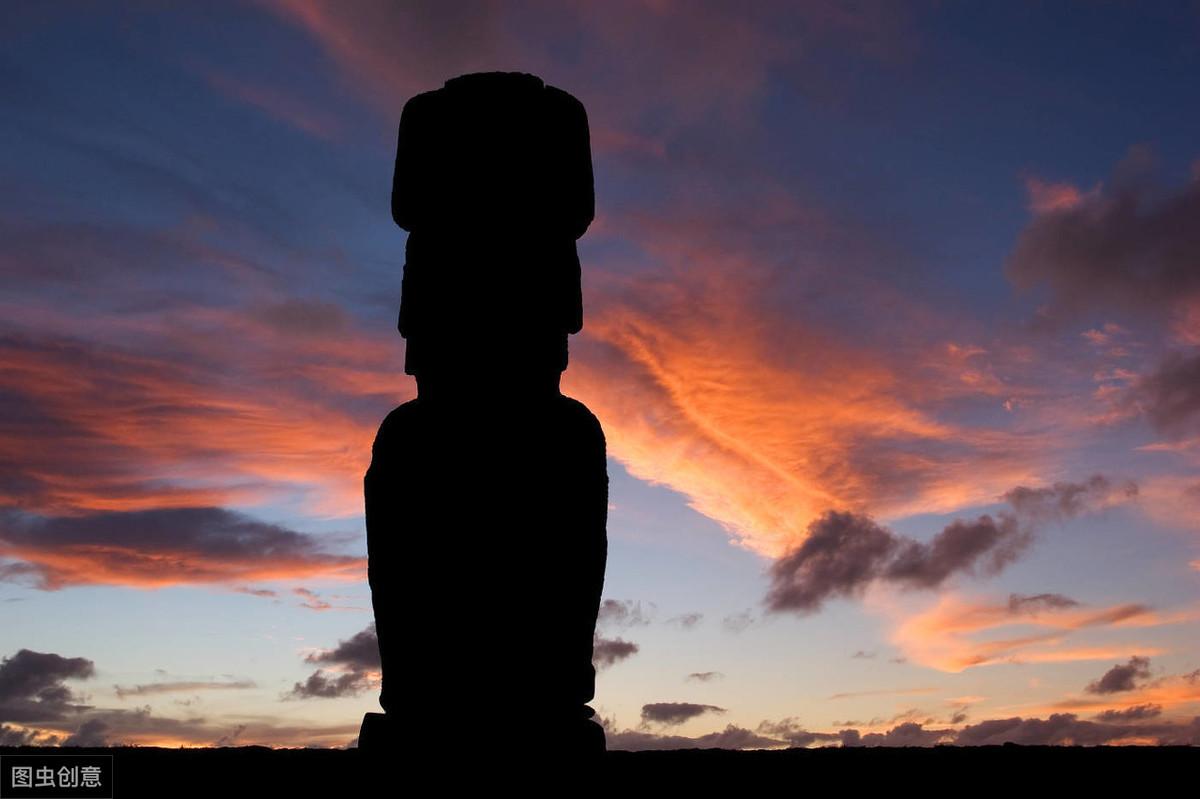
<point>487,495</point>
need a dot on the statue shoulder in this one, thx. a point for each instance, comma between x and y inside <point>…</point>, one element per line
<point>400,418</point>
<point>579,415</point>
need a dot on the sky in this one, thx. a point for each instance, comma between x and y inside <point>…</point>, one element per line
<point>891,319</point>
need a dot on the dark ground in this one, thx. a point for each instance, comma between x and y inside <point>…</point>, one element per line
<point>1020,770</point>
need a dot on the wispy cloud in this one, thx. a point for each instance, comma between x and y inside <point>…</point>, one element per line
<point>181,686</point>
<point>157,548</point>
<point>957,633</point>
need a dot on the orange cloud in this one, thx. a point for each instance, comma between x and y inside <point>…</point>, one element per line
<point>220,407</point>
<point>158,548</point>
<point>762,419</point>
<point>122,459</point>
<point>1168,692</point>
<point>953,634</point>
<point>765,422</point>
<point>1171,692</point>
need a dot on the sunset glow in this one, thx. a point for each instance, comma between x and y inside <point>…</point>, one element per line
<point>891,319</point>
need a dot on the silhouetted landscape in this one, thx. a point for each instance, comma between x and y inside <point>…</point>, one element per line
<point>1031,770</point>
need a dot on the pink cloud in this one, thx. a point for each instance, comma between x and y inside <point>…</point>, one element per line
<point>957,633</point>
<point>277,103</point>
<point>631,59</point>
<point>169,425</point>
<point>766,418</point>
<point>1046,197</point>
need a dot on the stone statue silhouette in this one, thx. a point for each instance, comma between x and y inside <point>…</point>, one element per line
<point>487,495</point>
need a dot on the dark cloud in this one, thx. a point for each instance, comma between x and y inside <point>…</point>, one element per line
<point>842,554</point>
<point>230,739</point>
<point>1131,247</point>
<point>732,737</point>
<point>32,692</point>
<point>1022,604</point>
<point>108,727</point>
<point>621,613</point>
<point>1058,730</point>
<point>850,738</point>
<point>1066,500</point>
<point>608,652</point>
<point>794,734</point>
<point>1178,734</point>
<point>896,718</point>
<point>360,652</point>
<point>910,733</point>
<point>32,688</point>
<point>321,685</point>
<point>202,545</point>
<point>1134,713</point>
<point>705,676</point>
<point>263,592</point>
<point>671,713</point>
<point>1068,729</point>
<point>686,620</point>
<point>845,552</point>
<point>353,661</point>
<point>985,545</point>
<point>1170,394</point>
<point>1122,677</point>
<point>738,622</point>
<point>148,689</point>
<point>93,732</point>
<point>18,573</point>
